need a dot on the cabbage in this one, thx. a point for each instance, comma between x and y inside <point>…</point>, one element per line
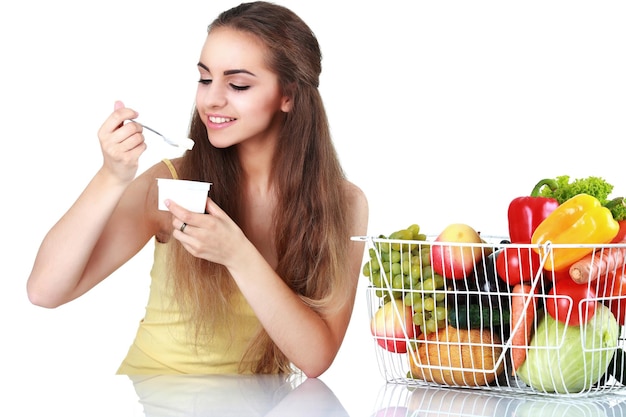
<point>568,359</point>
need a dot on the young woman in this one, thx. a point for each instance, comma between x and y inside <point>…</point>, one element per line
<point>264,281</point>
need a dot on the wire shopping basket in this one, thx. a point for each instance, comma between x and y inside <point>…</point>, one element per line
<point>508,323</point>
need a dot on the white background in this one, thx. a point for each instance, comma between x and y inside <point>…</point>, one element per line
<point>441,111</point>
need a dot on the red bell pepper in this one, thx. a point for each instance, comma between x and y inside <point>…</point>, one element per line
<point>525,213</point>
<point>515,265</point>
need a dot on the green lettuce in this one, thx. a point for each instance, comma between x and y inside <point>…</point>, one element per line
<point>568,359</point>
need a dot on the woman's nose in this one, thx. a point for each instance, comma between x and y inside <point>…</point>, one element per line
<point>212,95</point>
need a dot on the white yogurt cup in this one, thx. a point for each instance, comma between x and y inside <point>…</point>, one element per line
<point>190,194</point>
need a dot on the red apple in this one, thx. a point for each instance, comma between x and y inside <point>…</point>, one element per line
<point>456,261</point>
<point>391,325</point>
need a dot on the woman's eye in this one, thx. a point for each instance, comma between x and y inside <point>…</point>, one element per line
<point>205,81</point>
<point>239,87</point>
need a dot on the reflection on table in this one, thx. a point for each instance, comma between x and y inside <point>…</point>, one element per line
<point>235,395</point>
<point>398,400</point>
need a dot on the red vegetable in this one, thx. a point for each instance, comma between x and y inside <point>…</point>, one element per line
<point>525,213</point>
<point>567,297</point>
<point>515,265</point>
<point>613,287</point>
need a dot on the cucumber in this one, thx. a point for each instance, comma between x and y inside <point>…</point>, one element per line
<point>477,316</point>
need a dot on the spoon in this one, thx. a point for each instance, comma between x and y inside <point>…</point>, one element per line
<point>186,143</point>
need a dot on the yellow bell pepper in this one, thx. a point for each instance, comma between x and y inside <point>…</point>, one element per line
<point>580,220</point>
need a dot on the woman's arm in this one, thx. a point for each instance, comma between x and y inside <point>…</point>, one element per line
<point>309,340</point>
<point>103,228</point>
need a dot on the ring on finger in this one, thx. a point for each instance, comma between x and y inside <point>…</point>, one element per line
<point>182,227</point>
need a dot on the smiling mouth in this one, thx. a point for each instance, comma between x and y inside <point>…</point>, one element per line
<point>214,119</point>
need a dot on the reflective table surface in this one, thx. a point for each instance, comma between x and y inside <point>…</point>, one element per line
<point>174,396</point>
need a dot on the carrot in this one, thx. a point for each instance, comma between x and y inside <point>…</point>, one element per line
<point>596,264</point>
<point>520,312</point>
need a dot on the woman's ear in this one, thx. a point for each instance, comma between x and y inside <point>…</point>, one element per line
<point>286,104</point>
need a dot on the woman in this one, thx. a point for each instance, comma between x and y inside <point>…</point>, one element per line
<point>264,281</point>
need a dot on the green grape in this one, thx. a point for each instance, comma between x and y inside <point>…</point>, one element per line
<point>427,272</point>
<point>418,302</point>
<point>429,304</point>
<point>374,265</point>
<point>428,284</point>
<point>431,326</point>
<point>406,267</point>
<point>440,296</point>
<point>439,313</point>
<point>425,256</point>
<point>376,280</point>
<point>386,267</point>
<point>366,269</point>
<point>395,268</point>
<point>408,299</point>
<point>416,271</point>
<point>415,230</point>
<point>397,282</point>
<point>384,247</point>
<point>418,318</point>
<point>372,252</point>
<point>440,282</point>
<point>410,281</point>
<point>403,234</point>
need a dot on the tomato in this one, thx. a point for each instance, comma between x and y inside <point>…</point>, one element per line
<point>613,289</point>
<point>568,297</point>
<point>515,265</point>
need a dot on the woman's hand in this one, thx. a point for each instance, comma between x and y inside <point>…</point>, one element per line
<point>213,236</point>
<point>122,143</point>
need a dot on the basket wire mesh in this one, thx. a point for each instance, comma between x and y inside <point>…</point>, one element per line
<point>410,306</point>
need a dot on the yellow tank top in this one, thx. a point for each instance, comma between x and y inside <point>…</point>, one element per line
<point>164,342</point>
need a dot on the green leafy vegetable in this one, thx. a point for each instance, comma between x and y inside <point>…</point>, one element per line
<point>568,359</point>
<point>595,186</point>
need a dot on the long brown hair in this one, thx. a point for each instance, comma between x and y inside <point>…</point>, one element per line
<point>310,218</point>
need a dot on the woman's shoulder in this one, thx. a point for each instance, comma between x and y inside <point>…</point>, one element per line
<point>354,193</point>
<point>356,200</point>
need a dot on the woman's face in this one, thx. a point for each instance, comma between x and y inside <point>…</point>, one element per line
<point>238,97</point>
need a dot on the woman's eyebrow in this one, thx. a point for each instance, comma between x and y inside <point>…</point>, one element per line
<point>238,71</point>
<point>228,72</point>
